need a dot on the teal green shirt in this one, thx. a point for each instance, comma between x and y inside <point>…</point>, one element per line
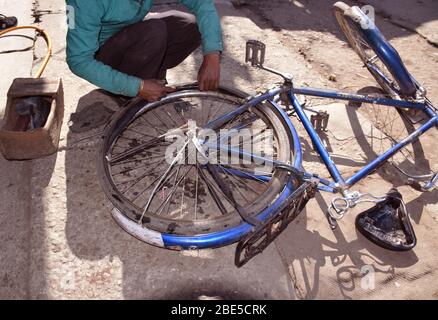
<point>97,20</point>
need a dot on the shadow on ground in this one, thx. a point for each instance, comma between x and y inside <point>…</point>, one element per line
<point>314,251</point>
<point>316,15</point>
<point>149,272</point>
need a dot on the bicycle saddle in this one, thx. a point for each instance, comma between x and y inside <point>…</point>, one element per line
<point>388,224</point>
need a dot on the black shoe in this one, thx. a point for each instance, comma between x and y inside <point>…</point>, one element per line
<point>7,22</point>
<point>388,224</point>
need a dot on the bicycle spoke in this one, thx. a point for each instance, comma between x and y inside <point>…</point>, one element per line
<point>239,181</point>
<point>196,193</point>
<point>138,180</point>
<point>136,160</point>
<point>236,187</point>
<point>124,138</point>
<point>127,170</point>
<point>212,192</point>
<point>168,200</point>
<point>373,59</point>
<point>183,120</point>
<point>177,158</point>
<point>136,197</point>
<point>134,151</point>
<point>253,142</point>
<point>182,196</point>
<point>148,124</point>
<point>167,114</point>
<point>216,112</point>
<point>159,119</point>
<point>152,143</point>
<point>140,133</point>
<point>248,171</point>
<point>150,151</point>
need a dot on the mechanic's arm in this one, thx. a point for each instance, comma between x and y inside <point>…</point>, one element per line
<point>83,43</point>
<point>210,28</point>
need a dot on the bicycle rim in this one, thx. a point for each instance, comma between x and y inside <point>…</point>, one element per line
<point>188,201</point>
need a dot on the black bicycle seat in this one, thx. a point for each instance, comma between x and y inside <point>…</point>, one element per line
<point>388,224</point>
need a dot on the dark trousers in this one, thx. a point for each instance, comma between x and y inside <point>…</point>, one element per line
<point>149,48</point>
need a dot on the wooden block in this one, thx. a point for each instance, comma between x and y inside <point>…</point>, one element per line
<point>16,145</point>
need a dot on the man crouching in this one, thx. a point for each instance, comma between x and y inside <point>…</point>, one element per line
<point>116,47</point>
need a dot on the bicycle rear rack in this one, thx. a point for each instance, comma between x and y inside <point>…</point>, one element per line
<point>257,241</point>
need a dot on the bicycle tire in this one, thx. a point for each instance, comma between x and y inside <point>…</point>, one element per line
<point>187,234</point>
<point>392,75</point>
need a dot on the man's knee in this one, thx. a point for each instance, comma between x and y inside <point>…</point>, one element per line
<point>154,34</point>
<point>183,24</point>
<point>191,29</point>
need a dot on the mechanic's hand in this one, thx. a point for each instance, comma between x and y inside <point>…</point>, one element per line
<point>153,90</point>
<point>209,74</point>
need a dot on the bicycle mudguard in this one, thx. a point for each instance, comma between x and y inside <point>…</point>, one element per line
<point>388,224</point>
<point>386,52</point>
<point>257,241</point>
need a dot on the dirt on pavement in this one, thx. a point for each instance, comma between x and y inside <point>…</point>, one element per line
<point>75,250</point>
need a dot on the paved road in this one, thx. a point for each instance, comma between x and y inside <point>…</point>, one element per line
<point>58,240</point>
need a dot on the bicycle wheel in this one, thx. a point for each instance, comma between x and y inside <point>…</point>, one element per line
<point>377,54</point>
<point>186,199</point>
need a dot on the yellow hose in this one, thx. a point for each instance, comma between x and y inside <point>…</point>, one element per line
<point>46,38</point>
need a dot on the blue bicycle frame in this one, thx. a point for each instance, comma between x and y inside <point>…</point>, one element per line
<point>339,182</point>
<point>375,164</point>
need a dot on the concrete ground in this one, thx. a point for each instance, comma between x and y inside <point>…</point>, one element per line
<point>58,241</point>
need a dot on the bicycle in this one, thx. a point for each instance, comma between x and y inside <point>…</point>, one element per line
<point>179,205</point>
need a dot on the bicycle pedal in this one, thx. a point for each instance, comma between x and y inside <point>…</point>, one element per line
<point>320,121</point>
<point>255,53</point>
<point>257,241</point>
<point>413,116</point>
